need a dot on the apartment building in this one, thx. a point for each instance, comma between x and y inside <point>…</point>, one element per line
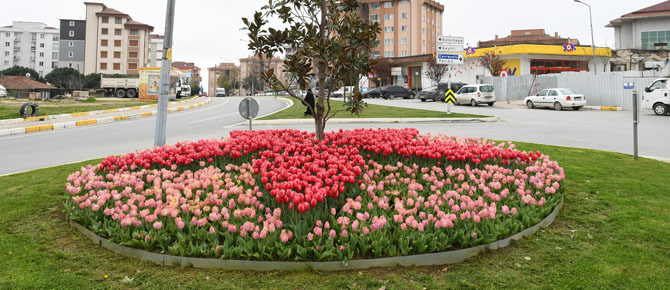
<point>214,73</point>
<point>191,71</point>
<point>115,43</point>
<point>29,44</point>
<point>72,44</point>
<point>408,27</point>
<point>254,66</point>
<point>155,50</point>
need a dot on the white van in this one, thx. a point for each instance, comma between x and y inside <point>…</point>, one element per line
<point>220,92</point>
<point>656,97</point>
<point>3,92</point>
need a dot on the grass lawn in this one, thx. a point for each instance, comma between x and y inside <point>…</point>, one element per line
<point>371,111</point>
<point>613,232</point>
<point>9,109</point>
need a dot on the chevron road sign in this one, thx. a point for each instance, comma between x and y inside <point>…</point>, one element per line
<point>450,97</point>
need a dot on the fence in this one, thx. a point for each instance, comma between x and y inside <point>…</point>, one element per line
<point>603,89</point>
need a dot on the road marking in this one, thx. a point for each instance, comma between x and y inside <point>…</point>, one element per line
<point>213,118</point>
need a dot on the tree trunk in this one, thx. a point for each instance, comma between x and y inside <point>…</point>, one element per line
<point>319,118</point>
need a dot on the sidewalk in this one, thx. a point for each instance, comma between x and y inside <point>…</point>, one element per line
<point>63,121</point>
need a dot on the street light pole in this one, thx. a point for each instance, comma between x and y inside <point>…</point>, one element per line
<point>593,45</point>
<point>161,111</point>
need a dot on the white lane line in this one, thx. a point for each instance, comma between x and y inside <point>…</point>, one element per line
<point>213,118</point>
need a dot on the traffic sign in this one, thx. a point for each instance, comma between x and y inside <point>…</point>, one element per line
<point>249,108</point>
<point>450,58</point>
<point>450,98</point>
<point>450,40</point>
<point>449,48</point>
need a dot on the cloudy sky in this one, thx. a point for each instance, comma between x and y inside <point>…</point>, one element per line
<point>208,31</point>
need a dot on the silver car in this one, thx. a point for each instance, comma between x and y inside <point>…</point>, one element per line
<point>3,92</point>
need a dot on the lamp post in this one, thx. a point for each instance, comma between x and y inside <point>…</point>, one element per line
<point>593,45</point>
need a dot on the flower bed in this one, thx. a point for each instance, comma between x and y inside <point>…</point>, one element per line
<point>285,196</point>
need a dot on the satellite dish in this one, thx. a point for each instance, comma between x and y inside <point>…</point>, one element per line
<point>28,75</point>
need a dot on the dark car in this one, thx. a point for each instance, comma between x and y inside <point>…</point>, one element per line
<point>442,90</point>
<point>391,92</point>
<point>428,94</point>
<point>373,93</point>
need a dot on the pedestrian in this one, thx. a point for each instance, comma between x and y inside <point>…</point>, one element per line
<point>309,99</point>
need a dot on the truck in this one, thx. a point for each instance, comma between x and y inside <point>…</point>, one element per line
<point>183,91</point>
<point>121,87</point>
<point>220,92</point>
<point>656,97</point>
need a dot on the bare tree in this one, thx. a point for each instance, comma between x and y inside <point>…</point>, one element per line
<point>493,62</point>
<point>383,71</point>
<point>435,71</point>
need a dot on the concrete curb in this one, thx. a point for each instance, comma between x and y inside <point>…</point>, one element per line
<point>70,124</point>
<point>81,114</point>
<point>603,108</point>
<point>378,120</point>
<point>449,257</point>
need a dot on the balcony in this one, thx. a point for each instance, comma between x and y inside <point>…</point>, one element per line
<point>17,48</point>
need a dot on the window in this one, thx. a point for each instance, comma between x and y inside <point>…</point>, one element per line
<point>8,34</point>
<point>134,43</point>
<point>71,23</point>
<point>118,20</point>
<point>134,32</point>
<point>403,40</point>
<point>388,53</point>
<point>70,65</point>
<point>55,38</point>
<point>553,93</point>
<point>403,53</point>
<point>6,43</point>
<point>132,65</point>
<point>70,44</point>
<point>54,55</point>
<point>105,31</point>
<point>41,45</point>
<point>388,16</point>
<point>117,31</point>
<point>103,54</point>
<point>103,65</point>
<point>71,33</point>
<point>117,66</point>
<point>374,54</point>
<point>388,4</point>
<point>404,3</point>
<point>661,84</point>
<point>388,41</point>
<point>6,53</point>
<point>423,17</point>
<point>70,54</point>
<point>403,28</point>
<point>655,40</point>
<point>105,19</point>
<point>103,42</point>
<point>41,63</point>
<point>374,18</point>
<point>423,30</point>
<point>374,6</point>
<point>388,29</point>
<point>403,16</point>
<point>117,54</point>
<point>117,43</point>
<point>543,93</point>
<point>41,54</point>
<point>132,54</point>
<point>42,36</point>
<point>6,62</point>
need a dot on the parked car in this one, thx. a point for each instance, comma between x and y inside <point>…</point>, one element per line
<point>204,94</point>
<point>440,92</point>
<point>656,97</point>
<point>220,92</point>
<point>391,92</point>
<point>556,98</point>
<point>373,93</point>
<point>3,92</point>
<point>476,94</point>
<point>429,93</point>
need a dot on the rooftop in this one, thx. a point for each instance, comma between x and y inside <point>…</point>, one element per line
<point>659,10</point>
<point>528,36</point>
<point>23,83</point>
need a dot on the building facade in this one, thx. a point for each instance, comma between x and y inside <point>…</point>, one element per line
<point>645,29</point>
<point>189,69</point>
<point>253,66</point>
<point>72,45</point>
<point>115,43</point>
<point>29,44</point>
<point>155,50</point>
<point>408,27</point>
<point>227,69</point>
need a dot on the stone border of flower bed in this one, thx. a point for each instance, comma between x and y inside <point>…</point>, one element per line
<point>377,120</point>
<point>449,257</point>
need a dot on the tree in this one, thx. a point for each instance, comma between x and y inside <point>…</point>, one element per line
<point>22,71</point>
<point>65,78</point>
<point>246,83</point>
<point>92,81</point>
<point>493,62</point>
<point>383,71</point>
<point>435,71</point>
<point>228,81</point>
<point>330,39</point>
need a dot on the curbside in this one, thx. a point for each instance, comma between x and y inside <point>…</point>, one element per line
<point>378,120</point>
<point>603,108</point>
<point>433,259</point>
<point>71,124</point>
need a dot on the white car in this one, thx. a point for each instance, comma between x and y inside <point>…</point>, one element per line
<point>476,94</point>
<point>656,97</point>
<point>3,92</point>
<point>557,99</point>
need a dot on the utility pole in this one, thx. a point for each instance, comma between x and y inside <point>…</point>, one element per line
<point>161,111</point>
<point>593,43</point>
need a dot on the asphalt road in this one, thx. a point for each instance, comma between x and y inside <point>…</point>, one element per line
<point>51,148</point>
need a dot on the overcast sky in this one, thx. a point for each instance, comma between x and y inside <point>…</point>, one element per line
<point>208,31</point>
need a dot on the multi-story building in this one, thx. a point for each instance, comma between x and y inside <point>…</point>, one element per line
<point>227,69</point>
<point>646,29</point>
<point>253,66</point>
<point>72,44</point>
<point>155,50</point>
<point>408,27</point>
<point>115,43</point>
<point>29,44</point>
<point>191,71</point>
